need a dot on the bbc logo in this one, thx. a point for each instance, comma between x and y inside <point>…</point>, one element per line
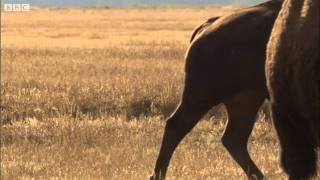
<point>16,7</point>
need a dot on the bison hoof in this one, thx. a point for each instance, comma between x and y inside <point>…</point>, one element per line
<point>153,177</point>
<point>156,177</point>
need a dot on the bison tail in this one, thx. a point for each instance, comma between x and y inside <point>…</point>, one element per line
<point>202,26</point>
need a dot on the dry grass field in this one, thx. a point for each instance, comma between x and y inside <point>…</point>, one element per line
<point>85,92</point>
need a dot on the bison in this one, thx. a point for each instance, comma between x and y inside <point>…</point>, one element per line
<point>293,79</point>
<point>224,64</point>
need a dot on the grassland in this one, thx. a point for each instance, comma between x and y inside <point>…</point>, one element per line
<point>84,95</point>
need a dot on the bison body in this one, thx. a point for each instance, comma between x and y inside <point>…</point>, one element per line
<point>224,64</point>
<point>293,76</point>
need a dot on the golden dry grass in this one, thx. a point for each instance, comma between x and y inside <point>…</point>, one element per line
<point>84,94</point>
<point>111,148</point>
<point>58,62</point>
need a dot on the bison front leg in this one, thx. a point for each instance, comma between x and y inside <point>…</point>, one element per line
<point>178,125</point>
<point>298,154</point>
<point>242,110</point>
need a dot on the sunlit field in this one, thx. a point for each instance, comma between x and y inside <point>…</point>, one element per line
<point>85,94</point>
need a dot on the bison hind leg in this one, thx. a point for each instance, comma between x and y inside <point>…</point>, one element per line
<point>242,110</point>
<point>181,122</point>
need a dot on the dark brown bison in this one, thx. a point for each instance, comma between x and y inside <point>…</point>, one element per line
<point>224,64</point>
<point>293,77</point>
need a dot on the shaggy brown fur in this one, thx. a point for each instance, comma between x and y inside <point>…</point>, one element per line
<point>293,77</point>
<point>224,64</point>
